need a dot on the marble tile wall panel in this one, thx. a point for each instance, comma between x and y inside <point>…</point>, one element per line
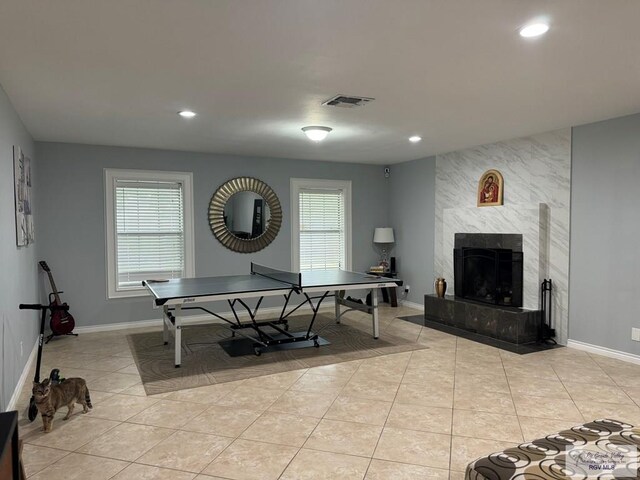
<point>537,175</point>
<point>498,220</point>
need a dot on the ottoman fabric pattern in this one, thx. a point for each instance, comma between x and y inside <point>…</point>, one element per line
<point>547,458</point>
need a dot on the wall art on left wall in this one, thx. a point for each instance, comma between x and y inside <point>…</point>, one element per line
<point>22,185</point>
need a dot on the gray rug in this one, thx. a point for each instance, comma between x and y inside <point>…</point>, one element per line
<point>204,362</point>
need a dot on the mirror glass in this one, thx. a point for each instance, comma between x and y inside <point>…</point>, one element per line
<point>246,215</point>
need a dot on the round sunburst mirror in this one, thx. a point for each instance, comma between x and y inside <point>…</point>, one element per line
<point>245,214</point>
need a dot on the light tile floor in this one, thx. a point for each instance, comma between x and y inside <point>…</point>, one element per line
<point>416,415</point>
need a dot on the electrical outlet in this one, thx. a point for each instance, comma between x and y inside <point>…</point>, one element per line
<point>635,334</point>
<point>21,350</point>
<point>407,289</point>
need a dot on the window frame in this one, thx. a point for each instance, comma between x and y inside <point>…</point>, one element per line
<point>111,175</point>
<point>298,184</point>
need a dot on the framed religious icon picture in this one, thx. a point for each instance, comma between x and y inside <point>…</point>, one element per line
<point>490,189</point>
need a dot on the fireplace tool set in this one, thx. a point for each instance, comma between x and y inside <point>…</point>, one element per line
<point>547,332</point>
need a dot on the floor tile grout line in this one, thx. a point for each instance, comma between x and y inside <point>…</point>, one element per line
<point>66,454</point>
<point>218,456</point>
<point>512,401</point>
<point>570,396</point>
<point>98,436</point>
<point>174,433</point>
<point>371,458</point>
<point>144,453</point>
<point>389,413</point>
<point>596,401</point>
<point>119,471</point>
<point>86,455</point>
<point>453,405</point>
<point>135,462</point>
<point>289,462</point>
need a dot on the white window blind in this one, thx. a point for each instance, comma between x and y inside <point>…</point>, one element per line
<point>150,233</point>
<point>322,229</point>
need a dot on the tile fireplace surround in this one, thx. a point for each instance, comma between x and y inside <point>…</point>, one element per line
<point>535,240</point>
<point>537,202</point>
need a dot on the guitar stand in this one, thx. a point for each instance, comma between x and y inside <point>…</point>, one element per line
<point>54,335</point>
<point>52,296</point>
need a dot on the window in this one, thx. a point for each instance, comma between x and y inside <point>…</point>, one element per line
<point>321,224</point>
<point>149,228</point>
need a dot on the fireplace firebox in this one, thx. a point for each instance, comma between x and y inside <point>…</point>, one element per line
<point>488,268</point>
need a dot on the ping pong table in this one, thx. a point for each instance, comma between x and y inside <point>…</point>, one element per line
<point>177,295</point>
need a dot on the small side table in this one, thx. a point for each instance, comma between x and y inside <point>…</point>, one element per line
<point>389,295</point>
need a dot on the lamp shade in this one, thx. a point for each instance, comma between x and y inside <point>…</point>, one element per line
<point>383,235</point>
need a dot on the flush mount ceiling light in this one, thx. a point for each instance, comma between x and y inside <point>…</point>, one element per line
<point>415,139</point>
<point>187,114</point>
<point>534,30</point>
<point>317,134</point>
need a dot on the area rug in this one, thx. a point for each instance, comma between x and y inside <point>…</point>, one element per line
<point>204,362</point>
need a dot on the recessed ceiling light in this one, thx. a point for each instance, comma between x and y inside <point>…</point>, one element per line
<point>315,133</point>
<point>415,139</point>
<point>534,30</point>
<point>187,114</point>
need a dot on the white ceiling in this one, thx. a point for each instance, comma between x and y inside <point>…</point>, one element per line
<point>453,71</point>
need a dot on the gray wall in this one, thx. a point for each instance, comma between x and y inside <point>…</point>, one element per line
<point>70,223</point>
<point>412,216</point>
<point>18,282</point>
<point>605,232</point>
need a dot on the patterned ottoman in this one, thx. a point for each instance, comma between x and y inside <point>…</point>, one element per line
<point>600,449</point>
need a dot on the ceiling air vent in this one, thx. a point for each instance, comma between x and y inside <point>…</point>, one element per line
<point>345,101</point>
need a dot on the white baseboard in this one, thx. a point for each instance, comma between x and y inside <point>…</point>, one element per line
<point>187,320</point>
<point>23,377</point>
<point>604,351</point>
<point>118,326</point>
<point>417,306</point>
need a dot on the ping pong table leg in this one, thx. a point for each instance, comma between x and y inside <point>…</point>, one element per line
<point>177,315</point>
<point>165,329</point>
<point>337,303</point>
<point>374,313</point>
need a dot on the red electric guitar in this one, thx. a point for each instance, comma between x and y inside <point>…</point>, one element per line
<point>61,321</point>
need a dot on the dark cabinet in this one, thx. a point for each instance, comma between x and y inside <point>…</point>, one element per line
<point>10,468</point>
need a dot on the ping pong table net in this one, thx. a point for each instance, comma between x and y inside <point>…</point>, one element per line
<point>290,278</point>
